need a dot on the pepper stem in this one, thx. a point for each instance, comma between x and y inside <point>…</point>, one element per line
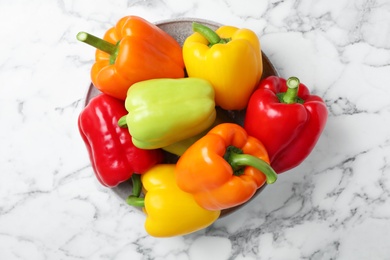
<point>237,160</point>
<point>137,184</point>
<point>211,36</point>
<point>291,94</point>
<point>122,122</point>
<point>96,42</point>
<point>134,199</point>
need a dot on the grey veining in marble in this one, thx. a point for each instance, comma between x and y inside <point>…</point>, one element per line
<point>335,205</point>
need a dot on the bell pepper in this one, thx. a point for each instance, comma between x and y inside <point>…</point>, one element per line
<point>164,111</point>
<point>287,119</point>
<point>113,156</point>
<point>180,147</point>
<point>133,50</point>
<point>169,210</point>
<point>229,58</point>
<point>224,168</point>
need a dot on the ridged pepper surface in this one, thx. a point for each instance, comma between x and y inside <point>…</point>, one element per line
<point>224,168</point>
<point>133,50</point>
<point>165,111</point>
<point>287,119</point>
<point>229,58</point>
<point>169,210</point>
<point>113,156</point>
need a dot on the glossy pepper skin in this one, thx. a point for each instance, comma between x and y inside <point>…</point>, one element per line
<point>230,58</point>
<point>165,111</point>
<point>133,50</point>
<point>169,210</point>
<point>289,131</point>
<point>113,156</point>
<point>224,168</point>
<point>180,147</point>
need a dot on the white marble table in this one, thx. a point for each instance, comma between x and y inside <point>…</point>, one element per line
<point>335,205</point>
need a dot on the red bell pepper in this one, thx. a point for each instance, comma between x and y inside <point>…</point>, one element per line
<point>287,119</point>
<point>113,156</point>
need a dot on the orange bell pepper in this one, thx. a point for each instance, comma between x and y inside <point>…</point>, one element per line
<point>134,50</point>
<point>224,168</point>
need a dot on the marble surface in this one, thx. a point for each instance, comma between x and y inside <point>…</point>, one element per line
<point>335,205</point>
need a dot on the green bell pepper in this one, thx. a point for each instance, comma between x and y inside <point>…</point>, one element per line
<point>180,147</point>
<point>165,111</point>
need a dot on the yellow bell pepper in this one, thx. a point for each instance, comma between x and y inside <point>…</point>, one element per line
<point>229,58</point>
<point>169,210</point>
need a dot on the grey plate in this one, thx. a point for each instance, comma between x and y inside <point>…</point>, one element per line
<point>180,29</point>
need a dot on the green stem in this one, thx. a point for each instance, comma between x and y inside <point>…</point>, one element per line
<point>237,160</point>
<point>135,201</point>
<point>291,94</point>
<point>211,36</point>
<point>122,122</point>
<point>137,184</point>
<point>96,42</point>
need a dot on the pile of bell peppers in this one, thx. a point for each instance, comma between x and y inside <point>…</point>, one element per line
<point>160,100</point>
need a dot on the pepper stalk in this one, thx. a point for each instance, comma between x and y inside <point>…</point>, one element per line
<point>238,161</point>
<point>134,199</point>
<point>100,44</point>
<point>291,95</point>
<point>211,36</point>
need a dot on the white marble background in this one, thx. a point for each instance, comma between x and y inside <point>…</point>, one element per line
<point>335,205</point>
